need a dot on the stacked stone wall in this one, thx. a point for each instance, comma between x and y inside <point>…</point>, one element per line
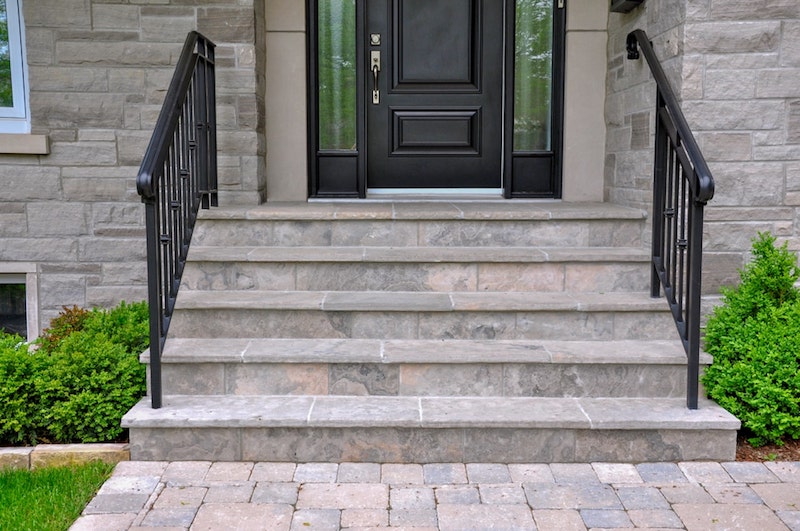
<point>736,67</point>
<point>98,73</point>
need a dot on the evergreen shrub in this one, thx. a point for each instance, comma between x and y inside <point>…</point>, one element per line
<point>75,383</point>
<point>754,337</point>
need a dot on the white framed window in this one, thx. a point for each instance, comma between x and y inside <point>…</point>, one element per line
<point>14,106</point>
<point>19,299</point>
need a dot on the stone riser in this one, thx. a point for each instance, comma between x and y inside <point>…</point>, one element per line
<point>540,325</point>
<point>403,445</point>
<point>443,277</point>
<point>426,379</point>
<point>422,233</point>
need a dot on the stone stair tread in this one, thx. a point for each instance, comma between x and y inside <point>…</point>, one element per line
<point>434,351</point>
<point>412,301</point>
<point>212,253</point>
<point>227,411</point>
<point>427,210</point>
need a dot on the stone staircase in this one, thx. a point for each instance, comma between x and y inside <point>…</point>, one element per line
<point>422,332</point>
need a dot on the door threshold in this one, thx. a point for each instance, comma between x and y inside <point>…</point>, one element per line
<point>434,194</point>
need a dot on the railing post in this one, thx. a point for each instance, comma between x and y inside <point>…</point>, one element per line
<point>154,299</point>
<point>693,310</point>
<point>659,183</point>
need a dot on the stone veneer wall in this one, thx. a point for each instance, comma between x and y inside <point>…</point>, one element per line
<point>736,68</point>
<point>98,73</point>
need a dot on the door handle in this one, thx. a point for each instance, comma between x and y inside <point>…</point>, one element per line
<point>375,63</point>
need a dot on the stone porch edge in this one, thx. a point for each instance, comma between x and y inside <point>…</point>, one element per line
<point>41,455</point>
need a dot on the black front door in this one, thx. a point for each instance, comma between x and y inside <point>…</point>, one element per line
<point>434,93</point>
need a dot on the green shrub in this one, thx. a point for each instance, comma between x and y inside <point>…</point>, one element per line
<point>76,387</point>
<point>754,337</point>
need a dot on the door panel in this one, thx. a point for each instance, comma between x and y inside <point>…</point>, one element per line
<point>438,120</point>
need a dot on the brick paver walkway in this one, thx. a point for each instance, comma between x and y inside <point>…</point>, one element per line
<point>448,496</point>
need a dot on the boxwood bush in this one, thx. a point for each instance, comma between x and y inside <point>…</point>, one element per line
<point>76,381</point>
<point>754,337</point>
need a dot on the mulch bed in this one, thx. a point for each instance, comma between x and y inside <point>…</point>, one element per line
<point>789,451</point>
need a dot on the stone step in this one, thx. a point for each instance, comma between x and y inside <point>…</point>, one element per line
<point>469,224</point>
<point>417,268</point>
<point>421,315</point>
<point>424,368</point>
<point>428,429</point>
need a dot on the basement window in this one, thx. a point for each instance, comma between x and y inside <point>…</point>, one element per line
<point>19,303</point>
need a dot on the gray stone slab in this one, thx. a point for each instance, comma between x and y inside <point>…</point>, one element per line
<point>787,471</point>
<point>783,497</point>
<point>251,299</point>
<point>652,413</point>
<point>705,473</point>
<point>464,351</point>
<point>503,412</point>
<point>790,518</point>
<point>368,411</point>
<point>474,379</point>
<point>322,350</point>
<point>661,473</point>
<point>170,516</point>
<point>395,301</point>
<point>509,445</point>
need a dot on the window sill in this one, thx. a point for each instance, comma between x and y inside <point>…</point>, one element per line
<point>13,144</point>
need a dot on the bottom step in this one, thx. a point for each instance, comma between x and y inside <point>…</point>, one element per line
<point>429,429</point>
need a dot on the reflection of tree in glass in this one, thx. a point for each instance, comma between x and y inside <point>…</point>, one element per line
<point>337,74</point>
<point>533,53</point>
<point>6,99</point>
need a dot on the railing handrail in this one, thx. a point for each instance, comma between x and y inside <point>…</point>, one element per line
<point>682,185</point>
<point>703,186</point>
<point>178,174</point>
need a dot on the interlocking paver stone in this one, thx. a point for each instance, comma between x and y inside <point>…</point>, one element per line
<point>786,471</point>
<point>642,498</point>
<point>365,518</point>
<point>130,484</point>
<point>171,516</point>
<point>790,518</point>
<point>750,472</point>
<point>186,471</point>
<point>412,498</point>
<point>661,473</point>
<point>243,517</point>
<point>412,518</point>
<point>745,517</point>
<point>545,496</point>
<point>502,494</point>
<point>316,473</point>
<point>275,493</point>
<point>457,495</point>
<point>463,517</point>
<point>733,494</point>
<point>779,497</point>
<point>617,473</point>
<point>531,473</point>
<point>343,496</point>
<point>323,519</point>
<point>140,468</point>
<point>705,473</point>
<point>281,472</point>
<point>223,471</point>
<point>116,503</point>
<point>230,493</point>
<point>104,522</point>
<point>567,473</point>
<point>604,518</point>
<point>686,494</point>
<point>655,518</point>
<point>397,474</point>
<point>558,520</point>
<point>180,497</point>
<point>359,473</point>
<point>444,473</point>
<point>487,473</point>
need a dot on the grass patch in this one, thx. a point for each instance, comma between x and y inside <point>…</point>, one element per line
<point>48,499</point>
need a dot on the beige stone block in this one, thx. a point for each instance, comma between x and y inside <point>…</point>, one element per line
<point>58,13</point>
<point>15,458</point>
<point>39,45</point>
<point>239,81</point>
<point>741,61</point>
<point>732,37</point>
<point>754,9</point>
<point>715,115</point>
<point>60,218</point>
<point>286,117</point>
<point>67,109</point>
<point>587,15</point>
<point>70,454</point>
<point>726,147</point>
<point>50,78</point>
<point>748,184</point>
<point>100,189</point>
<point>730,84</point>
<point>285,15</point>
<point>78,153</point>
<point>126,80</point>
<point>778,83</point>
<point>20,183</point>
<point>790,45</point>
<point>693,74</point>
<point>112,16</point>
<point>119,53</point>
<point>584,120</point>
<point>227,24</point>
<point>167,28</point>
<point>24,144</point>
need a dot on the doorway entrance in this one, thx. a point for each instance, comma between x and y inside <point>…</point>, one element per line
<point>423,95</point>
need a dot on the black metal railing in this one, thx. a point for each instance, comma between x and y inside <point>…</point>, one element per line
<point>178,174</point>
<point>682,186</point>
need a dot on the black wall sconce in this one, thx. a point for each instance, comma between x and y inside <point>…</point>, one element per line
<point>624,6</point>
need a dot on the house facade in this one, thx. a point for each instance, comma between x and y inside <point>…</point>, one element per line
<point>88,77</point>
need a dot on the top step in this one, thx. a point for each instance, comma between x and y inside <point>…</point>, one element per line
<point>441,224</point>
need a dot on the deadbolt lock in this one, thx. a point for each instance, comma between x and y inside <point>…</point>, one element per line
<point>375,39</point>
